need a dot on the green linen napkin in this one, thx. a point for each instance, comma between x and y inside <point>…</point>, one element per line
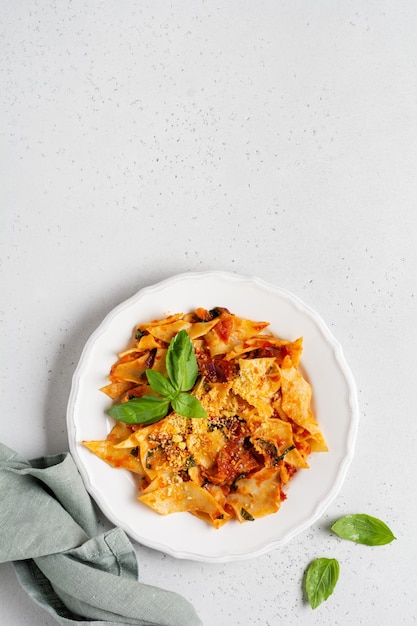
<point>48,528</point>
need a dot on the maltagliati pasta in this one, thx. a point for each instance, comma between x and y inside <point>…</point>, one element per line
<point>258,431</point>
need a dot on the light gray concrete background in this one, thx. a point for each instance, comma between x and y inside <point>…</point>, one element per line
<point>272,138</point>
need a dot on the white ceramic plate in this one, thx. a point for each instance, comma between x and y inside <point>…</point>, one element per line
<point>335,404</point>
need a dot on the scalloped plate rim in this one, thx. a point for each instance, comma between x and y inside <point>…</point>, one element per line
<point>330,340</point>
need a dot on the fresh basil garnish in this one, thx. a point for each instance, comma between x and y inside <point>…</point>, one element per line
<point>181,364</point>
<point>160,383</point>
<point>362,528</point>
<point>321,579</point>
<point>144,410</point>
<point>187,405</point>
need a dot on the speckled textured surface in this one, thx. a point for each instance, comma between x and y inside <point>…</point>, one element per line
<point>279,139</point>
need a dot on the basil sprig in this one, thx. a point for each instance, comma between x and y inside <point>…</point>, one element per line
<point>362,528</point>
<point>321,579</point>
<point>181,365</point>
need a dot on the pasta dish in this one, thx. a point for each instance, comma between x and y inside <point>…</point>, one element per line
<point>258,427</point>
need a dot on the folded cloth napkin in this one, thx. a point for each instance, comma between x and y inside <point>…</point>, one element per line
<point>48,528</point>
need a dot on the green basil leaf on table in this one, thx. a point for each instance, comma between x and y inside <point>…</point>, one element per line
<point>362,528</point>
<point>321,579</point>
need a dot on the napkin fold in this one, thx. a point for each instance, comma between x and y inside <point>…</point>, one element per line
<point>48,528</point>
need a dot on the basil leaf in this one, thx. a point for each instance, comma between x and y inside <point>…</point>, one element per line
<point>144,410</point>
<point>160,383</point>
<point>181,362</point>
<point>188,406</point>
<point>362,528</point>
<point>321,579</point>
